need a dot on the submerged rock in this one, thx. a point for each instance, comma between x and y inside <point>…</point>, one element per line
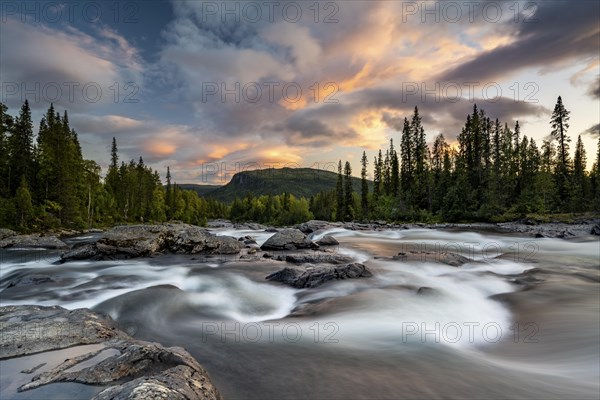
<point>315,276</point>
<point>288,239</point>
<point>128,368</point>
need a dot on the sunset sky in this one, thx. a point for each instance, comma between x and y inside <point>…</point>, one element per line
<point>361,67</point>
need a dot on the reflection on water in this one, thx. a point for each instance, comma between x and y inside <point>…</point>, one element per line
<point>521,320</point>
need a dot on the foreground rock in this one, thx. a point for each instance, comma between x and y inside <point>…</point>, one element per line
<point>145,240</point>
<point>311,277</point>
<point>32,241</point>
<point>129,368</point>
<point>288,239</point>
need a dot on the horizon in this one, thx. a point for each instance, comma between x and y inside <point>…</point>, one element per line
<point>187,85</point>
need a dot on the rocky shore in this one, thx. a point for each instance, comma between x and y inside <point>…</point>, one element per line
<point>53,345</point>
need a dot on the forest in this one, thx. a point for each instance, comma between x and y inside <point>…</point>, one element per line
<point>493,173</point>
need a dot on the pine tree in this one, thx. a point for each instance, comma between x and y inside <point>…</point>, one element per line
<point>364,189</point>
<point>339,191</point>
<point>169,198</point>
<point>560,125</point>
<point>377,177</point>
<point>406,162</point>
<point>6,126</point>
<point>348,192</point>
<point>394,170</point>
<point>20,149</point>
<point>580,187</point>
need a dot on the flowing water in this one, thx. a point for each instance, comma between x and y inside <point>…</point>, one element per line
<point>519,321</point>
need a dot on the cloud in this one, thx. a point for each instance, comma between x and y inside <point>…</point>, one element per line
<point>593,131</point>
<point>558,32</point>
<point>49,64</point>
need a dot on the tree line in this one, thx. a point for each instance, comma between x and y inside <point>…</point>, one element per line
<point>494,173</point>
<point>45,183</point>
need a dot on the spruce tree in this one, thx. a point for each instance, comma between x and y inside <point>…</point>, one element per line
<point>560,125</point>
<point>364,189</point>
<point>20,149</point>
<point>339,193</point>
<point>348,193</point>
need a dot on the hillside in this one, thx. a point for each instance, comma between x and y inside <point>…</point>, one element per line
<point>202,190</point>
<point>300,182</point>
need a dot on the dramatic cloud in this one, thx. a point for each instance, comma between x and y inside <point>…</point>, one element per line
<point>558,32</point>
<point>68,67</point>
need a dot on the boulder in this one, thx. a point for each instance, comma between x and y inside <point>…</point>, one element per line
<point>312,226</point>
<point>328,240</point>
<point>4,233</point>
<point>145,240</point>
<point>288,239</point>
<point>311,277</point>
<point>133,240</point>
<point>222,245</point>
<point>448,258</point>
<point>33,241</point>
<point>596,230</point>
<point>83,252</point>
<point>126,368</point>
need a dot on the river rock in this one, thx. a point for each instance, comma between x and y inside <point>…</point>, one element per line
<point>126,367</point>
<point>33,241</point>
<point>33,329</point>
<point>312,226</point>
<point>4,233</point>
<point>448,258</point>
<point>596,230</point>
<point>315,258</point>
<point>328,240</point>
<point>133,241</point>
<point>288,239</point>
<point>311,277</point>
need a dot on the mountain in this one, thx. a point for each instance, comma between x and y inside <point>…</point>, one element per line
<point>202,190</point>
<point>300,182</point>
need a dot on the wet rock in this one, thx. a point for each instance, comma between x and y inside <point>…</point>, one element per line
<point>288,239</point>
<point>127,368</point>
<point>83,252</point>
<point>315,258</point>
<point>328,240</point>
<point>452,259</point>
<point>33,241</point>
<point>312,226</point>
<point>222,245</point>
<point>133,240</point>
<point>267,255</point>
<point>50,328</point>
<point>596,230</point>
<point>147,240</point>
<point>179,383</point>
<point>425,290</point>
<point>311,277</point>
<point>271,229</point>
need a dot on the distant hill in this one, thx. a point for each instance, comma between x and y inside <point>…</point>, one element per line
<point>300,182</point>
<point>202,190</point>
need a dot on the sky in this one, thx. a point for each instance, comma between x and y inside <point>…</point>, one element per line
<point>210,88</point>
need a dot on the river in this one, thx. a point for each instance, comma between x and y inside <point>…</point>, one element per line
<point>522,320</point>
